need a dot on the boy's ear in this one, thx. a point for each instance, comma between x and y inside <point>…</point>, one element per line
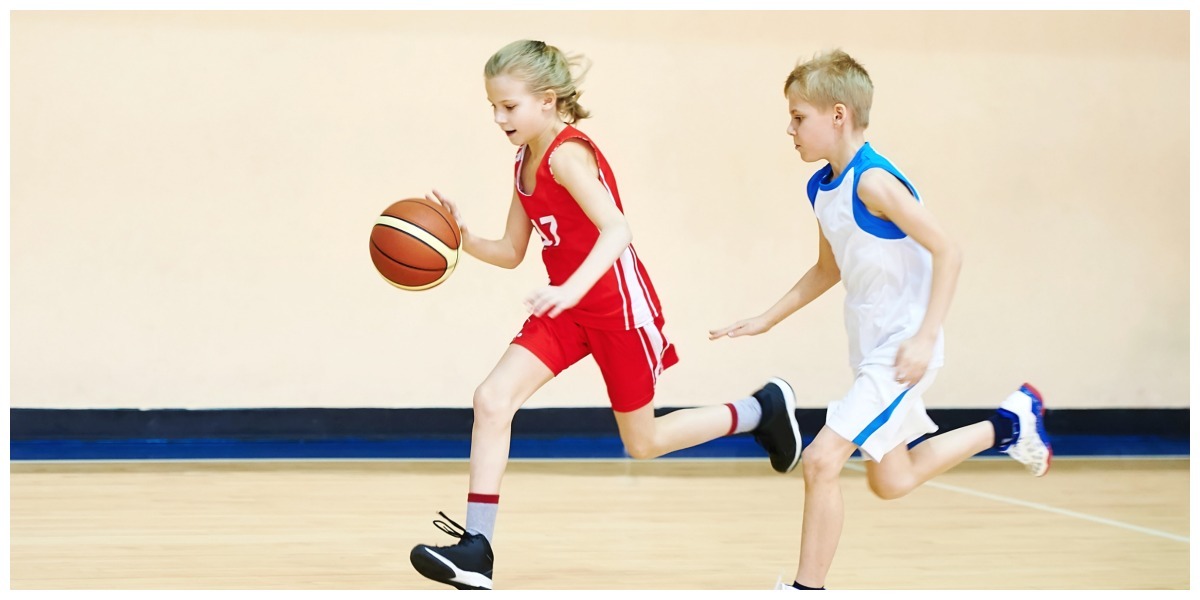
<point>840,114</point>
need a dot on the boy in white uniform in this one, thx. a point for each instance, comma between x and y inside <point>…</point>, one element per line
<point>899,268</point>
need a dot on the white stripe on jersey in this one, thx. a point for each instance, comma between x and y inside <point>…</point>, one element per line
<point>627,272</point>
<point>621,292</point>
<point>642,282</point>
<point>638,296</point>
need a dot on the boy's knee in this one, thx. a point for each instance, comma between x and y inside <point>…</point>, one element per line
<point>887,488</point>
<point>820,467</point>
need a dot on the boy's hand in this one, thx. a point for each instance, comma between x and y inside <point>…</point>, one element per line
<point>912,359</point>
<point>753,326</point>
<point>553,299</point>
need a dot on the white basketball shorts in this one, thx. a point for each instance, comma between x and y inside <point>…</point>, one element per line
<point>879,414</point>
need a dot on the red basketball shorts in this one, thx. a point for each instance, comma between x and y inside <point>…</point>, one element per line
<point>630,361</point>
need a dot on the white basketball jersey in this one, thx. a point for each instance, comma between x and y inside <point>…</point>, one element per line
<point>886,273</point>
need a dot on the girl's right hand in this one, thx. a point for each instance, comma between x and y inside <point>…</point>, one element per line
<point>753,326</point>
<point>436,196</point>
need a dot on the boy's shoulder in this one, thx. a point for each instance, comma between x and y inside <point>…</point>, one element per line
<point>872,159</point>
<point>876,174</point>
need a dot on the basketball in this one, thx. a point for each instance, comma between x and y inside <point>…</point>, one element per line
<point>415,244</point>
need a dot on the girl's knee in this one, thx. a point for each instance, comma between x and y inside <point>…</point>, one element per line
<point>492,406</point>
<point>640,447</point>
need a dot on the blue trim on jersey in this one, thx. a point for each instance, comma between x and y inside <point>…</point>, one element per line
<point>814,183</point>
<point>833,185</point>
<point>880,228</point>
<point>883,417</point>
<point>876,226</point>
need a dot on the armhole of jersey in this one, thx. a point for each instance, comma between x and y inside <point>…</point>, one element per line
<point>877,226</point>
<point>518,166</point>
<point>582,141</point>
<point>814,184</point>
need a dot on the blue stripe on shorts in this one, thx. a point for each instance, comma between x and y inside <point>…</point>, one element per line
<point>883,417</point>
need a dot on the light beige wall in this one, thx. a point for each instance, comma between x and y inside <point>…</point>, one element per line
<point>192,193</point>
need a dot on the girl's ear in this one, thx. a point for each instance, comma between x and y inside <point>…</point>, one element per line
<point>549,100</point>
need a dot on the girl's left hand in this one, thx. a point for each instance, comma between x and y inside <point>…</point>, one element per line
<point>552,299</point>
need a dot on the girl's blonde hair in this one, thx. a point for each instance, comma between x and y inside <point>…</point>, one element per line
<point>833,77</point>
<point>543,68</point>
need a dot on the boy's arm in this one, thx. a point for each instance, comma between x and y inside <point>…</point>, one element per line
<point>822,276</point>
<point>506,252</point>
<point>575,168</point>
<point>886,196</point>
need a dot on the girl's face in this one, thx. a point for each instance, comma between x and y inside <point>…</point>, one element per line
<point>522,115</point>
<point>812,130</point>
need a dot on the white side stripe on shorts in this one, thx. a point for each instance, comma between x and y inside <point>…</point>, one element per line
<point>639,309</point>
<point>651,335</point>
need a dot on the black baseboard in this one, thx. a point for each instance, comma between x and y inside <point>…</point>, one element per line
<point>30,424</point>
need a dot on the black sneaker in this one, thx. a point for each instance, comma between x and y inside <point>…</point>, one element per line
<point>777,432</point>
<point>466,565</point>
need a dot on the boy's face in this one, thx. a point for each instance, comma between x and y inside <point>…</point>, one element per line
<point>812,130</point>
<point>520,114</point>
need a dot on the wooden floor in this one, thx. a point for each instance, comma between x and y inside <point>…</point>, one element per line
<point>668,524</point>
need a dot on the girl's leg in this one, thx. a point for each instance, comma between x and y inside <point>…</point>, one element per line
<point>769,413</point>
<point>647,437</point>
<point>514,379</point>
<point>468,563</point>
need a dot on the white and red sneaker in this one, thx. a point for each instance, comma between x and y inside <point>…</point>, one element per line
<point>1030,445</point>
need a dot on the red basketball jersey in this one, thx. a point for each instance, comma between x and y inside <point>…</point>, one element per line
<point>623,298</point>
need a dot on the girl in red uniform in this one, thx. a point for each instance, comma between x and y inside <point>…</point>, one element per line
<point>599,301</point>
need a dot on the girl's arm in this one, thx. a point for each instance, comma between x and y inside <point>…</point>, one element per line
<point>508,251</point>
<point>575,167</point>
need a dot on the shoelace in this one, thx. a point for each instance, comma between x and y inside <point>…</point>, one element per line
<point>445,527</point>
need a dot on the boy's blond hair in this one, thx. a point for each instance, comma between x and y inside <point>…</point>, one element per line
<point>832,77</point>
<point>543,68</point>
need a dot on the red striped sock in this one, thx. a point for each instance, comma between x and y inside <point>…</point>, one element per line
<point>733,415</point>
<point>481,513</point>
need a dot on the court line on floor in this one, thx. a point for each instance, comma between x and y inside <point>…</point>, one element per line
<point>1047,508</point>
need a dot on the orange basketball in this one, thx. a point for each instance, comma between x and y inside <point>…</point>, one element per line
<point>415,244</point>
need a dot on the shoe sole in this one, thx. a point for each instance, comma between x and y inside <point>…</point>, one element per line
<point>435,567</point>
<point>789,400</point>
<point>1032,392</point>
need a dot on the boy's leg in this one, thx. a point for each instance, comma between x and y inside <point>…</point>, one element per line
<point>1016,428</point>
<point>823,507</point>
<point>902,470</point>
<point>876,416</point>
